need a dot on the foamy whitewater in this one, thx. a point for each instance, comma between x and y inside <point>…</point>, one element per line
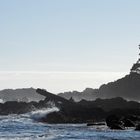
<point>25,127</point>
<point>38,114</point>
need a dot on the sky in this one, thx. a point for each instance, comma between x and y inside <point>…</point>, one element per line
<point>66,45</point>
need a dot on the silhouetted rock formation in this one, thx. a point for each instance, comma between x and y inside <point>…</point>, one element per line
<point>71,100</point>
<point>76,112</point>
<point>87,94</point>
<point>20,95</point>
<point>110,104</point>
<point>70,112</point>
<point>89,111</point>
<point>121,122</point>
<point>127,88</point>
<point>15,108</point>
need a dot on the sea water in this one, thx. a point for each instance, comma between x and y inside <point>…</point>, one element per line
<point>26,127</point>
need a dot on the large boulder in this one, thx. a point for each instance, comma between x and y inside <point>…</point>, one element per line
<point>55,117</point>
<point>114,122</point>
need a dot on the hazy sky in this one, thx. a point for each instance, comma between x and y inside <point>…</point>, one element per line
<point>69,37</point>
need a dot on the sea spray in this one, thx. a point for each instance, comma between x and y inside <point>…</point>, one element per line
<point>2,101</point>
<point>42,113</point>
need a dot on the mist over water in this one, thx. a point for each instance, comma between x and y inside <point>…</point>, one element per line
<point>57,82</point>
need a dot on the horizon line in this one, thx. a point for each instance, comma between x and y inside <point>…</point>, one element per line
<point>47,72</point>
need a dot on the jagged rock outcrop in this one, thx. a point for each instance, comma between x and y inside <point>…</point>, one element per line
<point>88,94</point>
<point>89,111</point>
<point>127,87</point>
<point>121,122</point>
<point>70,112</point>
<point>74,112</point>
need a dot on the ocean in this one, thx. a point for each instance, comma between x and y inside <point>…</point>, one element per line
<point>26,127</point>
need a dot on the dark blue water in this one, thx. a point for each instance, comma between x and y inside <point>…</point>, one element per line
<point>24,127</point>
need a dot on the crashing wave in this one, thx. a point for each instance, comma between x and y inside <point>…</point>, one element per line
<point>42,113</point>
<point>2,101</point>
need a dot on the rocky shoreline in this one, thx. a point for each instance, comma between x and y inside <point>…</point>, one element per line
<point>125,114</point>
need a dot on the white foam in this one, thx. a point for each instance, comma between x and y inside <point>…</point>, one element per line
<point>39,114</point>
<point>2,101</point>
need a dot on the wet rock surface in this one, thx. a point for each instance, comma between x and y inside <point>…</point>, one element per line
<point>122,122</point>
